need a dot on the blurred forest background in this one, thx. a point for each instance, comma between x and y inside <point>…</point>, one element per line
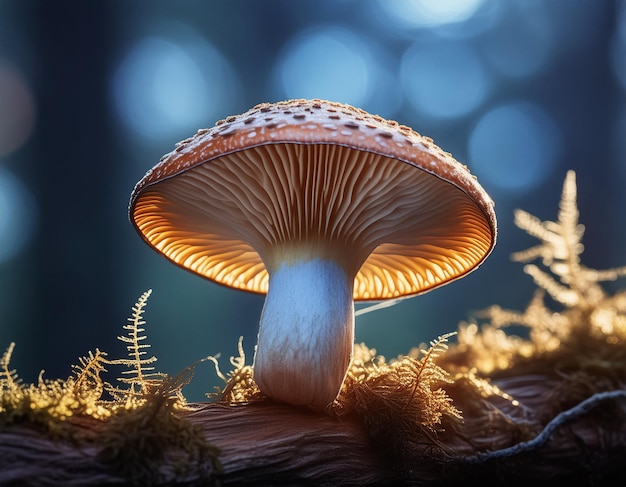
<point>93,93</point>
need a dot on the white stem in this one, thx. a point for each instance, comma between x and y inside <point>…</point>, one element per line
<point>306,333</point>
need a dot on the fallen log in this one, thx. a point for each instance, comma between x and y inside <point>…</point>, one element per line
<point>264,443</point>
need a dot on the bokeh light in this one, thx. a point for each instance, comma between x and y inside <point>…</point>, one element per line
<point>168,86</point>
<point>521,43</point>
<point>444,80</point>
<point>18,215</point>
<point>17,109</point>
<point>327,62</point>
<point>429,13</point>
<point>515,146</point>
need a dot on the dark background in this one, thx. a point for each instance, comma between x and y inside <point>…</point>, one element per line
<point>93,93</point>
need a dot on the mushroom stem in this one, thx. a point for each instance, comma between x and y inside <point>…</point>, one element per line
<point>306,333</point>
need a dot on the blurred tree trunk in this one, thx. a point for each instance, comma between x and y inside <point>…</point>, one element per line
<point>73,171</point>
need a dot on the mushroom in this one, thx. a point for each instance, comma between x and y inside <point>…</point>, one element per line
<point>316,204</point>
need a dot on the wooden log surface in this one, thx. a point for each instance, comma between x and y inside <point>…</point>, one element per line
<point>269,444</point>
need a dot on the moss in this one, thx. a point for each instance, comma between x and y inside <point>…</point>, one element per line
<point>48,403</point>
<point>581,336</point>
<point>138,423</point>
<point>136,442</point>
<point>400,402</point>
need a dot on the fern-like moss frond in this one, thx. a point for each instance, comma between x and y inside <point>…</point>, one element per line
<point>408,385</point>
<point>590,322</point>
<point>566,279</point>
<point>140,371</point>
<point>239,382</point>
<point>559,292</point>
<point>139,425</point>
<point>88,385</point>
<point>402,402</point>
<point>50,402</point>
<point>9,380</point>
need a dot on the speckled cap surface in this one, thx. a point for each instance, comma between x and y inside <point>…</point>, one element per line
<point>299,170</point>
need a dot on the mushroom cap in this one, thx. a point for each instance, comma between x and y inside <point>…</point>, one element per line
<point>318,177</point>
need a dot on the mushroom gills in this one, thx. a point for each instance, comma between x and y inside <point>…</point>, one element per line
<point>306,333</point>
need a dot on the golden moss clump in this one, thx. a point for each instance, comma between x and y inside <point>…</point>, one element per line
<point>409,388</point>
<point>50,401</point>
<point>401,401</point>
<point>576,330</point>
<point>137,441</point>
<point>239,382</point>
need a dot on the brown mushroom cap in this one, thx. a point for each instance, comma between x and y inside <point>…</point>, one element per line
<point>315,173</point>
